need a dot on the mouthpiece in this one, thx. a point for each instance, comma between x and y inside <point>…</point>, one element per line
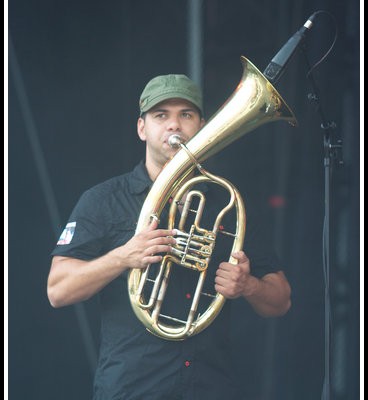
<point>174,141</point>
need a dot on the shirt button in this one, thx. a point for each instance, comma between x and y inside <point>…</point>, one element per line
<point>187,363</point>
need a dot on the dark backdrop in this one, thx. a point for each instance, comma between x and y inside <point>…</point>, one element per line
<point>76,70</point>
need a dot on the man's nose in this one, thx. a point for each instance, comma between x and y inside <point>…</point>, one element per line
<point>173,123</point>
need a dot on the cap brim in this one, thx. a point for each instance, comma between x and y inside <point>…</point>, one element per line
<point>166,96</point>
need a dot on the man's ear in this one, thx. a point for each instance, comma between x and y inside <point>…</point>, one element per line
<point>141,129</point>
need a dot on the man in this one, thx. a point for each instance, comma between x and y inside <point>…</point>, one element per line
<point>98,248</point>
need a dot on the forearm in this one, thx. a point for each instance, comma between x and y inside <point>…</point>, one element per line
<point>270,295</point>
<point>72,280</point>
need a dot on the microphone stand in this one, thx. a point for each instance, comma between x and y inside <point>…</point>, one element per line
<point>331,152</point>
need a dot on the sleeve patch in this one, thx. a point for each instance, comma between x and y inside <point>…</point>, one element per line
<point>67,234</point>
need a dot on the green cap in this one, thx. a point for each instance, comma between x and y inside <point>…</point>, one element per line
<point>171,86</point>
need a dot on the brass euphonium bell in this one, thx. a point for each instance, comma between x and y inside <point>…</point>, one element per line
<point>253,103</point>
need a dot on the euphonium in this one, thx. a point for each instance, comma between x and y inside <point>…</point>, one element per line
<point>253,103</point>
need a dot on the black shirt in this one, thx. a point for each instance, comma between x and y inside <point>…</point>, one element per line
<point>134,364</point>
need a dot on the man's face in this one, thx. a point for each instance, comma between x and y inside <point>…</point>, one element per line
<point>174,116</point>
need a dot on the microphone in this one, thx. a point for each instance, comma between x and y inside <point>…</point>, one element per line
<point>277,66</point>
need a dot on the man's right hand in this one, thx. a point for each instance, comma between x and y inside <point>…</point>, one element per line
<point>147,246</point>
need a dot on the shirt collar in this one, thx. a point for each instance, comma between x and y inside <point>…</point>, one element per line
<point>139,180</point>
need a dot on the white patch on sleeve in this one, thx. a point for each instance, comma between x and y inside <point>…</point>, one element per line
<point>67,234</point>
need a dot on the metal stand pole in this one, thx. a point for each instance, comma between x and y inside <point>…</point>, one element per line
<point>331,152</point>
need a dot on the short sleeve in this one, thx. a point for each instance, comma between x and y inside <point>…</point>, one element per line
<point>259,249</point>
<point>82,236</point>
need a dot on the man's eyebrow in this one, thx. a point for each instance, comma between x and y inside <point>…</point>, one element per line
<point>189,109</point>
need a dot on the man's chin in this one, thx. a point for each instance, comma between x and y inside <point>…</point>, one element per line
<point>169,157</point>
